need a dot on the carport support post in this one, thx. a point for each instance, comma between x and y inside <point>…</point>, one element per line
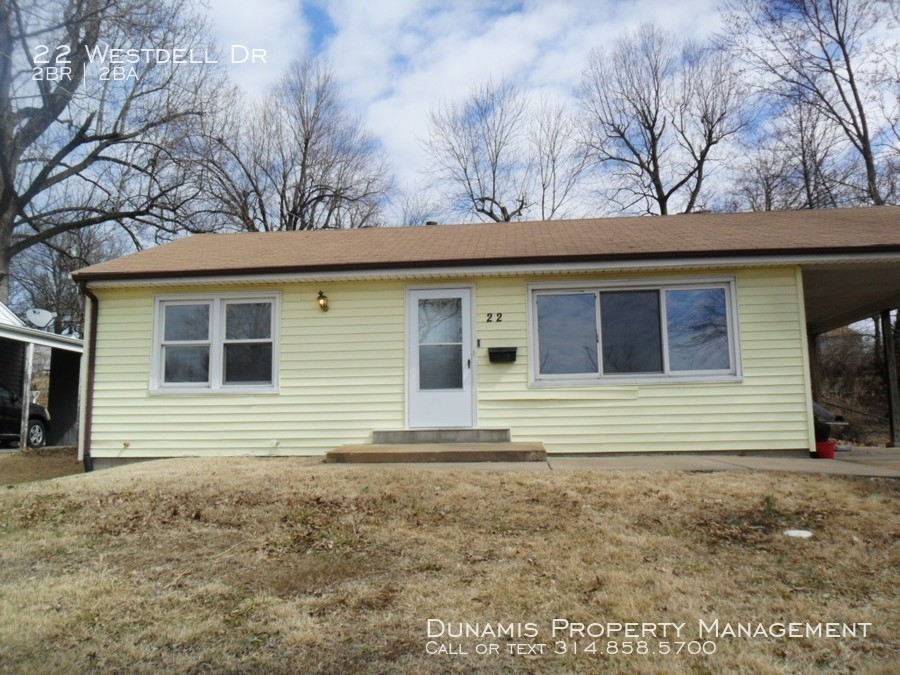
<point>890,364</point>
<point>26,396</point>
<point>814,372</point>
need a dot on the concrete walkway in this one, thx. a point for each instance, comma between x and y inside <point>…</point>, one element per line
<point>873,462</point>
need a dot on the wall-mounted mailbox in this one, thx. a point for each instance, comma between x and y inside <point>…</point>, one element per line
<point>502,354</point>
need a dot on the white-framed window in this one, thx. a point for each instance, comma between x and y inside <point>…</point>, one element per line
<point>217,342</point>
<point>634,332</point>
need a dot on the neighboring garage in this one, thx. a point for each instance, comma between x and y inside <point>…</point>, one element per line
<point>17,344</point>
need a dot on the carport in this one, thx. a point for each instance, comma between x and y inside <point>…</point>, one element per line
<point>841,291</point>
<point>17,343</point>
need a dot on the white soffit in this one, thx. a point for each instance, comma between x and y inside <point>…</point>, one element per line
<point>501,270</point>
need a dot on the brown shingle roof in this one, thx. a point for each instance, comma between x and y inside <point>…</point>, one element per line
<point>874,229</point>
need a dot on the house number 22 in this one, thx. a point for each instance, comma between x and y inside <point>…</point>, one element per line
<point>491,319</point>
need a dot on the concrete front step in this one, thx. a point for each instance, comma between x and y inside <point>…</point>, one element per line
<point>438,452</point>
<point>403,436</point>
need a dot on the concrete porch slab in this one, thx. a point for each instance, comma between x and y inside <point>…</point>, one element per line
<point>437,452</point>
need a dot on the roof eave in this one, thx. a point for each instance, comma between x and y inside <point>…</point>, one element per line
<point>87,276</point>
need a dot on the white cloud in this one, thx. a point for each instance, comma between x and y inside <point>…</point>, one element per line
<point>396,59</point>
<point>274,25</point>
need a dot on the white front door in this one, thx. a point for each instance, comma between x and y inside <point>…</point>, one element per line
<point>441,386</point>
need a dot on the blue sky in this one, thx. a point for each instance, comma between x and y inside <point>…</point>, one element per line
<point>396,59</point>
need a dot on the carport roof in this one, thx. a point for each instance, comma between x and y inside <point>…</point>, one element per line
<point>840,294</point>
<point>41,338</point>
<point>13,328</point>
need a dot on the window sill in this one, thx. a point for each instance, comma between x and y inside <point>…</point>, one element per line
<point>206,391</point>
<point>635,381</point>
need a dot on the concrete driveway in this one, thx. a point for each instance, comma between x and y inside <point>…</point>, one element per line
<point>885,464</point>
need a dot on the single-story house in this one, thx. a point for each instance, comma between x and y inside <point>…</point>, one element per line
<point>667,334</point>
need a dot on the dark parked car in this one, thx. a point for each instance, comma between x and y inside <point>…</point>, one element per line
<point>11,414</point>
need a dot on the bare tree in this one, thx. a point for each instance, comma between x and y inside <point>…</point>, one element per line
<point>559,158</point>
<point>822,53</point>
<point>476,147</point>
<point>822,169</point>
<point>88,136</point>
<point>298,161</point>
<point>762,182</point>
<point>414,209</point>
<point>655,112</point>
<point>800,162</point>
<point>502,157</point>
<point>41,275</point>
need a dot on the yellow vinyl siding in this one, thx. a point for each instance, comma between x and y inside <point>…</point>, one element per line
<point>767,410</point>
<point>342,374</point>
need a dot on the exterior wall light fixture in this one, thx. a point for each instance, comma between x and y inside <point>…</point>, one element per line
<point>323,301</point>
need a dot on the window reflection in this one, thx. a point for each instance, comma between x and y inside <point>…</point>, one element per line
<point>697,323</point>
<point>567,333</point>
<point>440,343</point>
<point>248,346</point>
<point>248,363</point>
<point>248,320</point>
<point>632,338</point>
<point>695,339</point>
<point>440,321</point>
<point>186,364</point>
<point>217,342</point>
<point>187,322</point>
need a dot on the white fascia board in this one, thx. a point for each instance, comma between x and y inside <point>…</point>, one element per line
<point>39,337</point>
<point>507,270</point>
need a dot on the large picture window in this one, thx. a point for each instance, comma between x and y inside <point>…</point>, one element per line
<point>634,332</point>
<point>215,343</point>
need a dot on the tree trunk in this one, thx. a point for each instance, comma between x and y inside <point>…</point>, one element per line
<point>4,281</point>
<point>872,177</point>
<point>6,226</point>
<point>879,351</point>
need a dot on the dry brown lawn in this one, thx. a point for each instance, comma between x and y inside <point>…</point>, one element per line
<point>17,467</point>
<point>279,565</point>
